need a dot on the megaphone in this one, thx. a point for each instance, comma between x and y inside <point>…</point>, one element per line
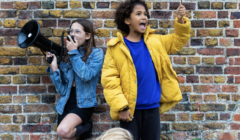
<point>30,35</point>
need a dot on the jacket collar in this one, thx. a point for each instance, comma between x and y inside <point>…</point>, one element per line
<point>120,35</point>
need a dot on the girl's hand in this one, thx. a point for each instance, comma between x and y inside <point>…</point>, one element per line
<point>53,65</point>
<point>124,115</point>
<point>70,44</point>
<point>181,11</point>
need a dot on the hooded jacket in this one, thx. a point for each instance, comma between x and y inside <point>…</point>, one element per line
<point>119,78</point>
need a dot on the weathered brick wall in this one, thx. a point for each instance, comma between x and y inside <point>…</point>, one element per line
<point>207,67</point>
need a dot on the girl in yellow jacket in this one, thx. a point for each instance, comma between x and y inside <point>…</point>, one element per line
<point>137,76</point>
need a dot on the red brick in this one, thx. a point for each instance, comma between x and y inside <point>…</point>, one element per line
<point>19,99</point>
<point>235,126</point>
<point>49,23</point>
<point>182,117</point>
<point>106,40</point>
<point>226,136</point>
<point>211,51</point>
<point>8,89</point>
<point>192,79</point>
<point>237,42</point>
<point>161,14</point>
<point>12,41</point>
<point>209,70</point>
<point>222,14</point>
<point>95,117</point>
<point>231,61</point>
<point>221,60</point>
<point>102,4</point>
<point>204,14</point>
<point>236,24</point>
<point>34,5</point>
<point>100,127</point>
<point>231,33</point>
<point>229,88</point>
<point>9,32</point>
<point>32,89</point>
<point>7,5</point>
<point>36,128</point>
<point>103,14</point>
<point>225,116</point>
<point>181,79</point>
<point>206,88</point>
<point>180,135</point>
<point>232,70</point>
<point>64,23</point>
<point>105,118</point>
<point>46,80</point>
<point>237,117</point>
<point>225,42</point>
<point>233,52</point>
<point>237,79</point>
<point>8,14</point>
<point>237,61</point>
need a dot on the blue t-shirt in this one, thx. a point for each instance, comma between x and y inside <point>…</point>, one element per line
<point>149,90</point>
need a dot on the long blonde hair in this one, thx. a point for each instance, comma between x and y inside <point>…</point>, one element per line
<point>116,134</point>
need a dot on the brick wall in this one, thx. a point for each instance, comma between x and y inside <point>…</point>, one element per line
<point>207,67</point>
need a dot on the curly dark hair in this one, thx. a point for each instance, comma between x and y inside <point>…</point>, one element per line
<point>124,11</point>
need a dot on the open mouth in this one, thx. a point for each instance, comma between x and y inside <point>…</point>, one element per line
<point>143,25</point>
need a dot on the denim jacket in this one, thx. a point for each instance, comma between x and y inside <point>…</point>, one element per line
<point>85,74</point>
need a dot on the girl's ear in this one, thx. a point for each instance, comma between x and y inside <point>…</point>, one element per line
<point>88,36</point>
<point>127,21</point>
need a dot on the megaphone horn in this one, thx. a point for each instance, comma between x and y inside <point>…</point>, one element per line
<point>30,35</point>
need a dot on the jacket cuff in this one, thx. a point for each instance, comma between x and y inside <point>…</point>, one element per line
<point>73,52</point>
<point>183,29</point>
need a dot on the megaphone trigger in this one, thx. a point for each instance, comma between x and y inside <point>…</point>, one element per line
<point>49,60</point>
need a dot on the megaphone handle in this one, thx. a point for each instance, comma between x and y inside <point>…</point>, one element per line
<point>49,60</point>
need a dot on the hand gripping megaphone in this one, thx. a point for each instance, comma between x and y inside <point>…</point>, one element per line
<point>30,35</point>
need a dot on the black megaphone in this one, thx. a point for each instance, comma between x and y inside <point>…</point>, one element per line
<point>30,35</point>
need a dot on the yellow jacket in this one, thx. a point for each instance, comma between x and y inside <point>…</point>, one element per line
<point>119,78</point>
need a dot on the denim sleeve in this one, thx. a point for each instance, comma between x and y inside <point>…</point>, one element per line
<point>57,81</point>
<point>86,71</point>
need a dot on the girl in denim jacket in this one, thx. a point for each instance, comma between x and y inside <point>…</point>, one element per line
<point>76,80</point>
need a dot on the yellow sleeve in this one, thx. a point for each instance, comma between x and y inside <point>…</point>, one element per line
<point>111,83</point>
<point>174,42</point>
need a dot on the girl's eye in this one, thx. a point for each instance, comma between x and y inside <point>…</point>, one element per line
<point>77,32</point>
